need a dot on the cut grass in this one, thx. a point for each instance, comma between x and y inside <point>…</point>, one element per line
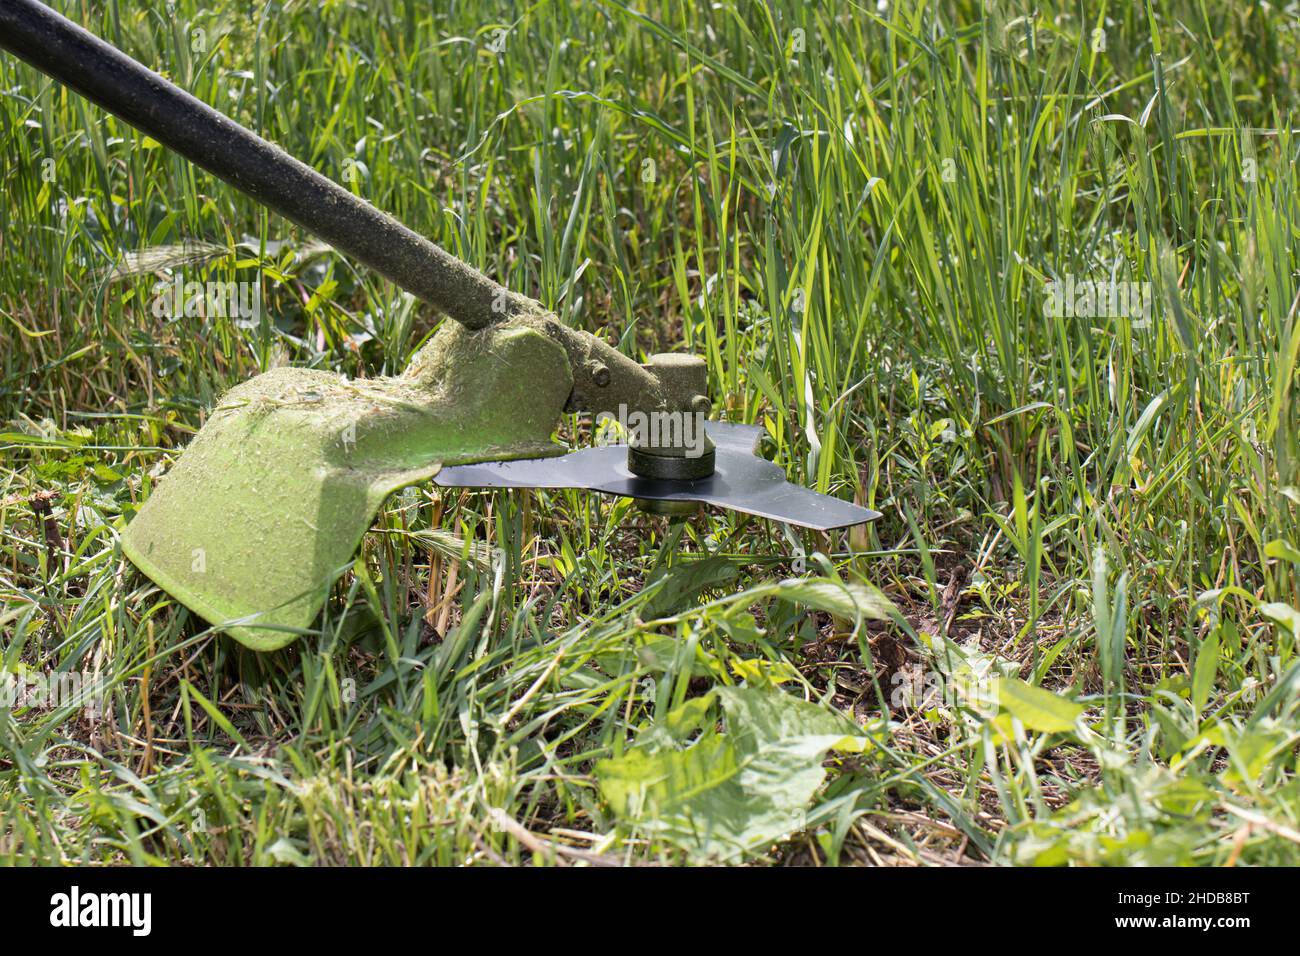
<point>853,213</point>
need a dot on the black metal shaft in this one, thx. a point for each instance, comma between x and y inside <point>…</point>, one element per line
<point>103,74</point>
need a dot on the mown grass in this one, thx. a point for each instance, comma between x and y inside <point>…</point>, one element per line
<point>852,210</point>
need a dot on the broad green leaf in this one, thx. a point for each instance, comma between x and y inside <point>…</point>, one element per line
<point>1251,751</point>
<point>1282,614</point>
<point>1036,708</point>
<point>689,717</point>
<point>731,793</point>
<point>1207,665</point>
<point>760,671</point>
<point>1282,549</point>
<point>283,851</point>
<point>741,627</point>
<point>679,585</point>
<point>843,599</point>
<point>764,715</point>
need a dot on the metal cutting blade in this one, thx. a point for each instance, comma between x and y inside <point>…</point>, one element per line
<point>741,481</point>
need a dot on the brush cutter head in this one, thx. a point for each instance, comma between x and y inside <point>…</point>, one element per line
<point>270,501</point>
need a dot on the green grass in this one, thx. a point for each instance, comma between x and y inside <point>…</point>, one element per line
<point>852,212</point>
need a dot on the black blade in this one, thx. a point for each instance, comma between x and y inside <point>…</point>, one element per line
<point>741,481</point>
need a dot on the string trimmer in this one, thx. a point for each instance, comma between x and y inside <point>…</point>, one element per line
<point>272,497</point>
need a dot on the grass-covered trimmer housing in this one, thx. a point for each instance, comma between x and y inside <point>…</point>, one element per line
<point>270,500</point>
